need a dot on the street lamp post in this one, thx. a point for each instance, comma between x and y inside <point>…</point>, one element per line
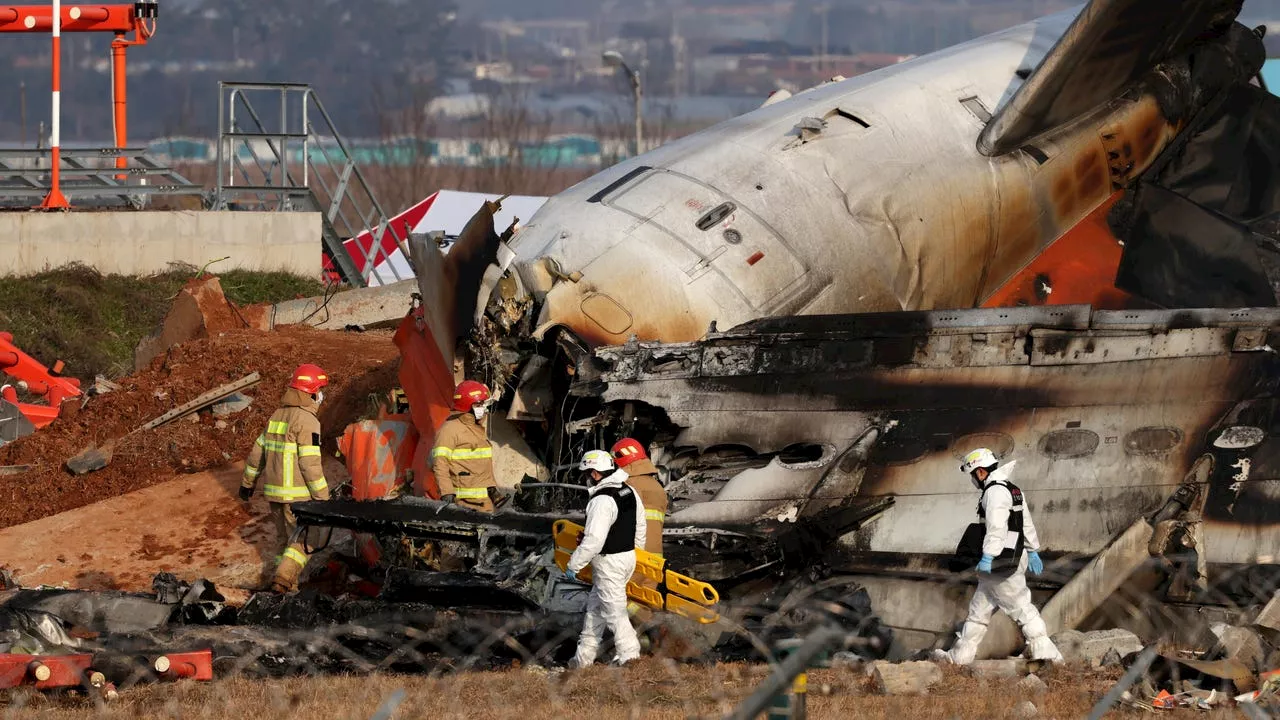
<point>613,58</point>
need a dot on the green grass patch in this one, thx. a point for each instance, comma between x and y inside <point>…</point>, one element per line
<point>93,322</point>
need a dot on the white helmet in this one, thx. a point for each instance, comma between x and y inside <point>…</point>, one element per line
<point>980,458</point>
<point>599,460</point>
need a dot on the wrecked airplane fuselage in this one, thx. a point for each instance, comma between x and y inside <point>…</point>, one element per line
<point>1115,158</point>
<point>1106,414</point>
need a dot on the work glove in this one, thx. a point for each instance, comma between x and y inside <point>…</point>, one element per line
<point>1034,563</point>
<point>245,493</point>
<point>984,565</point>
<point>571,575</point>
<point>447,499</point>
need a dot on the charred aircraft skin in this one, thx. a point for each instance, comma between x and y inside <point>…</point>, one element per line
<point>1106,413</point>
<point>846,234</point>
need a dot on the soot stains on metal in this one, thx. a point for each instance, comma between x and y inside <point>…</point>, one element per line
<point>1152,440</point>
<point>1067,444</point>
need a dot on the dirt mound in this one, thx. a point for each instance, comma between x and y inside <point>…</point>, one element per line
<point>359,364</point>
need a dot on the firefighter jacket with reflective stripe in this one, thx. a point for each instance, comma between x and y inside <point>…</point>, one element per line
<point>643,476</point>
<point>287,456</point>
<point>462,459</point>
<point>644,480</point>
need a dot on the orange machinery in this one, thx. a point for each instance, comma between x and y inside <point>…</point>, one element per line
<point>35,379</point>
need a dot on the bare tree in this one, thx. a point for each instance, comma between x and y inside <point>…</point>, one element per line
<point>407,133</point>
<point>510,138</point>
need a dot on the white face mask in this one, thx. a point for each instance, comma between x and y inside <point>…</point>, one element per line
<point>479,411</point>
<point>319,397</point>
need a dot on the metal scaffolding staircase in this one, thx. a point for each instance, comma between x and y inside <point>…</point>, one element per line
<point>290,157</point>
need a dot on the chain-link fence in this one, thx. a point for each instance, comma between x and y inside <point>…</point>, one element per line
<point>783,646</point>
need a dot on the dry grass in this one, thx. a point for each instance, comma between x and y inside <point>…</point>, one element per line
<point>652,689</point>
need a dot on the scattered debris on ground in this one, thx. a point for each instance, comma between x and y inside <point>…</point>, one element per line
<point>1032,685</point>
<point>650,688</point>
<point>909,678</point>
<point>359,364</point>
<point>1092,648</point>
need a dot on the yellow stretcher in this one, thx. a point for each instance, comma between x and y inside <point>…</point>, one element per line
<point>652,585</point>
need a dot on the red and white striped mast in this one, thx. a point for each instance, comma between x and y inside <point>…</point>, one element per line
<point>55,199</point>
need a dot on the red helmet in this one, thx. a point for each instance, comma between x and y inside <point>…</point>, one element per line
<point>309,379</point>
<point>627,451</point>
<point>469,393</point>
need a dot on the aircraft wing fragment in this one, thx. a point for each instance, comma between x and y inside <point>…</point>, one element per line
<point>1110,46</point>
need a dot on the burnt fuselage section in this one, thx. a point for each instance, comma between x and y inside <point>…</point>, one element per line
<point>1105,414</point>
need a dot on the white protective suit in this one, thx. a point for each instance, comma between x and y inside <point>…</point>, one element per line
<point>1010,593</point>
<point>607,604</point>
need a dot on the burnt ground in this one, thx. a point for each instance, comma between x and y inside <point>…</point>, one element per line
<point>651,688</point>
<point>359,365</point>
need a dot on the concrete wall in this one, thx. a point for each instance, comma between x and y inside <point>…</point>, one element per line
<point>366,307</point>
<point>146,242</point>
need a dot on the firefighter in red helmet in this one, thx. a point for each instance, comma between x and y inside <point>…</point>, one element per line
<point>462,459</point>
<point>286,456</point>
<point>642,476</point>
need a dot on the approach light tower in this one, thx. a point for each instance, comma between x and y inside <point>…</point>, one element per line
<point>138,18</point>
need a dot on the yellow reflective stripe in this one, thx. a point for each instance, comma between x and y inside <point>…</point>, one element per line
<point>655,515</point>
<point>294,555</point>
<point>261,441</point>
<point>281,492</point>
<point>471,493</point>
<point>277,427</point>
<point>251,472</point>
<point>281,446</point>
<point>317,486</point>
<point>308,451</point>
<point>462,453</point>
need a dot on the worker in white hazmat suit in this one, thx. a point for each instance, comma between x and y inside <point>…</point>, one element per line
<point>615,528</point>
<point>1011,536</point>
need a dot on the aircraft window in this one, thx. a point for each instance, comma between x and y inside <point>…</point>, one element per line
<point>853,118</point>
<point>715,215</point>
<point>1066,444</point>
<point>802,453</point>
<point>899,450</point>
<point>1036,154</point>
<point>617,184</point>
<point>1152,440</point>
<point>976,108</point>
<point>1239,437</point>
<point>606,312</point>
<point>998,443</point>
